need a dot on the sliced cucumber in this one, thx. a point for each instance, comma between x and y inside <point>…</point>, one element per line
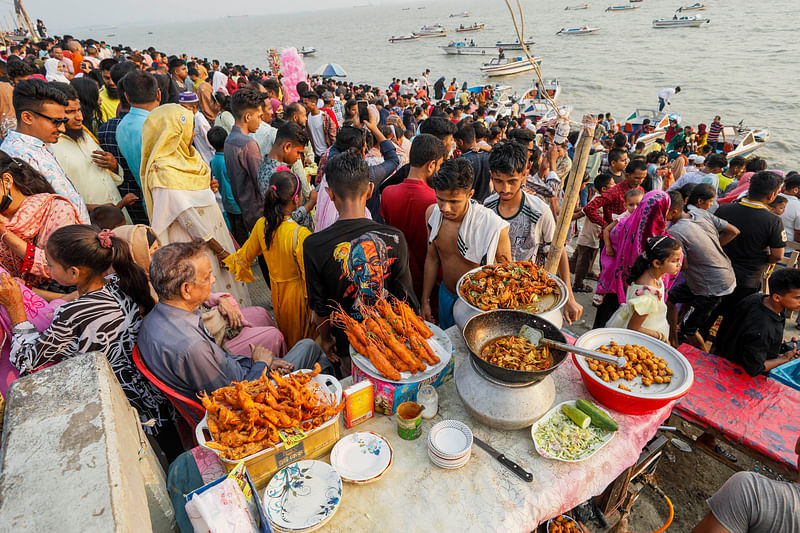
<point>599,418</point>
<point>576,415</point>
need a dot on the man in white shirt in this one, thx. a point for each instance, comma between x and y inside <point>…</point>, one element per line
<point>320,125</point>
<point>709,173</point>
<point>791,216</point>
<point>423,81</point>
<point>664,96</point>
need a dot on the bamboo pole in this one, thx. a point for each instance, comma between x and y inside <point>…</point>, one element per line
<point>574,182</point>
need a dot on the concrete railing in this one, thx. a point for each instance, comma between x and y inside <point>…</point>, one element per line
<point>74,456</point>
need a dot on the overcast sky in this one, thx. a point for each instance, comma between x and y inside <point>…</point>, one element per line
<point>65,16</point>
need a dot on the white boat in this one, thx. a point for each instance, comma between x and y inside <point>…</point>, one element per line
<point>659,122</point>
<point>544,110</point>
<point>586,30</point>
<point>535,92</point>
<point>462,14</point>
<point>697,6</point>
<point>411,37</point>
<point>464,49</point>
<point>682,22</point>
<point>574,8</point>
<point>509,65</point>
<point>310,51</point>
<point>745,140</point>
<point>514,45</point>
<point>436,30</point>
<point>622,8</point>
<point>472,27</point>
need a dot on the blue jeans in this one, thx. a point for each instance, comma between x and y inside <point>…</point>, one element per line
<point>446,302</point>
<point>661,104</point>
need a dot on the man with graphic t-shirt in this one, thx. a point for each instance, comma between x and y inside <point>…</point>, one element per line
<point>355,260</point>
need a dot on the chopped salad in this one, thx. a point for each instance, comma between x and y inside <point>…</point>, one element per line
<point>560,438</point>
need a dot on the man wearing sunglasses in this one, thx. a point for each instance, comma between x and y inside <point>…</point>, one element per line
<point>41,118</point>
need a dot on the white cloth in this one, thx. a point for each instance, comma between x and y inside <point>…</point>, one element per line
<point>201,127</point>
<point>666,93</point>
<point>264,136</point>
<point>791,217</point>
<point>219,82</point>
<point>51,71</point>
<point>316,127</point>
<point>478,235</point>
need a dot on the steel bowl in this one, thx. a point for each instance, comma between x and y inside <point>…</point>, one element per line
<point>465,310</point>
<point>489,325</point>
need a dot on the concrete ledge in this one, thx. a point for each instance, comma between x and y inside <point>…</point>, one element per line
<point>74,457</point>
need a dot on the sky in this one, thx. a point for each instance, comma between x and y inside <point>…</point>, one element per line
<point>68,16</point>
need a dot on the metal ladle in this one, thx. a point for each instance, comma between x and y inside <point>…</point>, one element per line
<point>537,338</point>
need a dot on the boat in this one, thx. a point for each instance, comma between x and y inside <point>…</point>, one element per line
<point>635,1</point>
<point>436,30</point>
<point>745,140</point>
<point>463,49</point>
<point>310,51</point>
<point>509,65</point>
<point>535,92</point>
<point>697,6</point>
<point>622,8</point>
<point>577,31</point>
<point>411,37</point>
<point>515,45</point>
<point>682,22</point>
<point>579,6</point>
<point>472,27</point>
<point>659,122</point>
<point>462,14</point>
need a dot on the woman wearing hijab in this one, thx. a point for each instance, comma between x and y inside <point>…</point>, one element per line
<point>438,88</point>
<point>54,70</point>
<point>176,186</point>
<point>628,239</point>
<point>219,82</point>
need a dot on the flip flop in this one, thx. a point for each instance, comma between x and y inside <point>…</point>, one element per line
<point>582,288</point>
<point>592,275</point>
<point>722,452</point>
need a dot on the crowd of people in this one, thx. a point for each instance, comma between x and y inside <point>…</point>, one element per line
<point>140,189</point>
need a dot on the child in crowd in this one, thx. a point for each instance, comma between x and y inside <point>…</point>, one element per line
<point>463,234</point>
<point>107,217</point>
<point>752,336</point>
<point>233,214</point>
<point>633,197</point>
<point>645,309</point>
<point>778,205</point>
<point>588,242</point>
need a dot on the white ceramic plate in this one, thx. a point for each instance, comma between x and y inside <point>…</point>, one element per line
<point>302,496</point>
<point>361,457</point>
<point>546,449</point>
<point>440,344</point>
<point>450,439</point>
<point>448,465</point>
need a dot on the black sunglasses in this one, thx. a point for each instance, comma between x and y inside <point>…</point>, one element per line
<point>55,121</point>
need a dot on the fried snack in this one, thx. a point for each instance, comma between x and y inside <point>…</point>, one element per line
<point>391,336</point>
<point>562,524</point>
<point>516,353</point>
<point>508,286</point>
<point>245,417</point>
<point>640,362</point>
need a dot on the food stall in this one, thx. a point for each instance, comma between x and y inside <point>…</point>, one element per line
<point>542,464</point>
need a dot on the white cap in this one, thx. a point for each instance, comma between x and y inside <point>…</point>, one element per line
<point>699,159</point>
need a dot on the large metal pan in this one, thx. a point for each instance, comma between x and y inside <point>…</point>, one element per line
<point>489,325</point>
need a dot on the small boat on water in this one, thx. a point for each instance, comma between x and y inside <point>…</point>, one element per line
<point>462,14</point>
<point>536,91</point>
<point>745,140</point>
<point>622,8</point>
<point>682,22</point>
<point>509,65</point>
<point>579,6</point>
<point>464,49</point>
<point>515,45</point>
<point>586,30</point>
<point>411,37</point>
<point>659,121</point>
<point>635,1</point>
<point>308,51</point>
<point>436,30</point>
<point>697,6</point>
<point>472,27</point>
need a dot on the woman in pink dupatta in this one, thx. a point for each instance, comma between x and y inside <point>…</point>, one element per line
<point>39,312</point>
<point>628,239</point>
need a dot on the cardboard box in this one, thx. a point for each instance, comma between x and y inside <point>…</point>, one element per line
<point>389,395</point>
<point>359,403</point>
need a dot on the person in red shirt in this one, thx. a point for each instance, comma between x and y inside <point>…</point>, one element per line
<point>403,205</point>
<point>613,200</point>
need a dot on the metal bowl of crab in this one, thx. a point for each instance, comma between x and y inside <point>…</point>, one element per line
<point>473,292</point>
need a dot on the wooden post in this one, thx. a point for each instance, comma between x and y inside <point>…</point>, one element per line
<point>574,182</point>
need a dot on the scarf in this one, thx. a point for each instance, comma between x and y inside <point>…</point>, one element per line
<point>51,71</point>
<point>26,224</point>
<point>141,250</point>
<point>478,235</point>
<point>219,82</point>
<point>628,239</point>
<point>170,160</point>
<point>678,167</point>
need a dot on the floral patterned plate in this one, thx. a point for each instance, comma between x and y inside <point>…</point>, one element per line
<point>362,457</point>
<point>302,496</point>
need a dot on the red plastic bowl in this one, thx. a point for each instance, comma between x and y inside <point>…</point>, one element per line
<point>640,399</point>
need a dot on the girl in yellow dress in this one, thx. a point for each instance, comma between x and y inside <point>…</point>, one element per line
<point>280,240</point>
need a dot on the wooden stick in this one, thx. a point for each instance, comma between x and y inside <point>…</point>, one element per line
<point>574,182</point>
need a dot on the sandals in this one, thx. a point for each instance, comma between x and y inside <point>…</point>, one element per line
<point>592,276</point>
<point>582,288</point>
<point>725,454</point>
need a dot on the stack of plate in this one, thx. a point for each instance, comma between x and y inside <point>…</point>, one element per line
<point>449,444</point>
<point>302,497</point>
<point>361,457</point>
